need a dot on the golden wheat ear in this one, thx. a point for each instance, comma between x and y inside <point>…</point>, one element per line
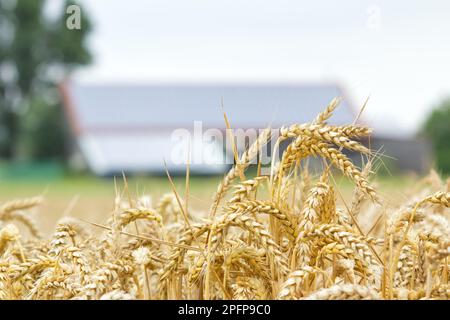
<point>302,233</point>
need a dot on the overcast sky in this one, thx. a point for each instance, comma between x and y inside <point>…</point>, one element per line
<point>398,52</point>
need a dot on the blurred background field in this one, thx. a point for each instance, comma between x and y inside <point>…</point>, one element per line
<point>92,198</point>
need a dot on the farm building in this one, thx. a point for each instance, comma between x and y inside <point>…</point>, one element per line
<point>138,128</point>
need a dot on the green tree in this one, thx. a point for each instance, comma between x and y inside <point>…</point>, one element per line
<point>37,51</point>
<point>437,128</point>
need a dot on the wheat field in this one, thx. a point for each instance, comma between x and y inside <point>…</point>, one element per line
<point>286,235</point>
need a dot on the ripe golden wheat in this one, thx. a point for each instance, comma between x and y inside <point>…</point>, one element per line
<point>291,241</point>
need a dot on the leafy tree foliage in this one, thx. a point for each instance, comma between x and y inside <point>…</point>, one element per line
<point>37,51</point>
<point>437,128</point>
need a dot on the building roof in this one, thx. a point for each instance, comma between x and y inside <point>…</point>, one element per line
<point>247,106</point>
<point>109,119</point>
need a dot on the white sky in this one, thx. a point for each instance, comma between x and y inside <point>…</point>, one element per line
<point>398,52</point>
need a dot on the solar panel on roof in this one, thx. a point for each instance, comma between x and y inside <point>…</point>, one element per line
<point>178,106</point>
<point>114,118</point>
